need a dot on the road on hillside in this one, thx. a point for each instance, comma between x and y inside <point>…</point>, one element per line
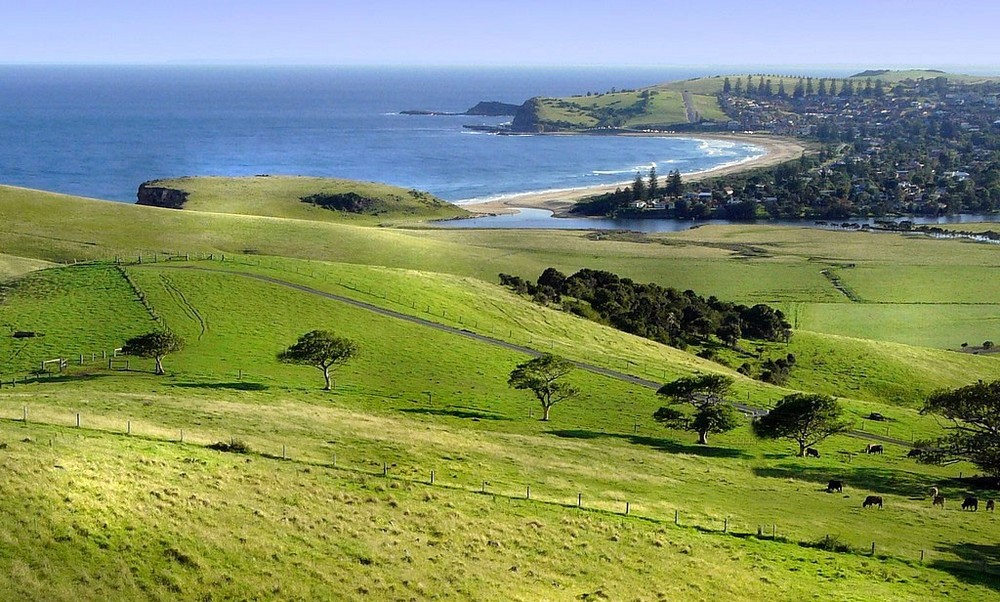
<point>692,114</point>
<point>629,378</point>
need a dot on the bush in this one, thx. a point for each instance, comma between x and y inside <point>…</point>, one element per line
<point>831,543</point>
<point>987,344</point>
<point>235,446</point>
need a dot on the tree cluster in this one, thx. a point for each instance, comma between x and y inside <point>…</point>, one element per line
<point>973,426</point>
<point>652,311</point>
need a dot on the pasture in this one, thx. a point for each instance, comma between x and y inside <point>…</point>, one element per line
<point>335,499</point>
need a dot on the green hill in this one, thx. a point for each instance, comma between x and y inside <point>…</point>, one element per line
<point>678,104</point>
<point>115,493</point>
<point>296,197</point>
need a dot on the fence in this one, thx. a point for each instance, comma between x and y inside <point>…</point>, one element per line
<point>504,488</point>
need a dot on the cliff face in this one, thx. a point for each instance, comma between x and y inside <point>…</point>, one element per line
<point>526,118</point>
<point>158,196</point>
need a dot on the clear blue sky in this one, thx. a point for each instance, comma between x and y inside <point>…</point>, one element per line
<point>511,32</point>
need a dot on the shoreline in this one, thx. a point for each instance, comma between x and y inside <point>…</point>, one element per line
<point>776,150</point>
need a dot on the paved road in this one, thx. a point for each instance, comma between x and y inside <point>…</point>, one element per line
<point>692,114</point>
<point>642,382</point>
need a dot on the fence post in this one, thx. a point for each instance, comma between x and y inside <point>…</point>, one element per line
<point>128,427</point>
<point>484,486</point>
<point>78,420</point>
<point>626,508</point>
<point>25,414</point>
<point>774,531</point>
<point>527,492</point>
<point>921,556</point>
<point>283,452</point>
<point>579,500</point>
<point>873,548</point>
<point>725,525</point>
<point>432,477</point>
<point>182,435</point>
<point>385,469</point>
<point>677,517</point>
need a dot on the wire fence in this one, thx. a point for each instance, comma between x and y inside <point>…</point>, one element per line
<point>348,462</point>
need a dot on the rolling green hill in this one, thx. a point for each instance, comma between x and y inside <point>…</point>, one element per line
<point>115,493</point>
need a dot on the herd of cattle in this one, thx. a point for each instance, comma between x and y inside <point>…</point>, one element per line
<point>970,503</point>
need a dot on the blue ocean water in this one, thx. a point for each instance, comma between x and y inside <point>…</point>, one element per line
<point>100,131</point>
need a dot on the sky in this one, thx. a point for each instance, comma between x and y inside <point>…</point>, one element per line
<point>875,33</point>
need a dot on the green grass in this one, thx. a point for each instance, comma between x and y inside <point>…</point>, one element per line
<point>135,519</point>
<point>147,517</point>
<point>11,266</point>
<point>281,196</point>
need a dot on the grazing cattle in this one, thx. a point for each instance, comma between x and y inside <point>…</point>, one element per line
<point>970,503</point>
<point>934,492</point>
<point>872,500</point>
<point>939,500</point>
<point>874,448</point>
<point>991,505</point>
<point>915,453</point>
<point>812,453</point>
<point>835,486</point>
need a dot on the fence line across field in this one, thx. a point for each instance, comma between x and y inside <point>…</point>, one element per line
<point>508,490</point>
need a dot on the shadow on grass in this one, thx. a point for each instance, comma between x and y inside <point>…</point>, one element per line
<point>471,413</point>
<point>237,386</point>
<point>860,481</point>
<point>978,564</point>
<point>666,445</point>
<point>56,379</point>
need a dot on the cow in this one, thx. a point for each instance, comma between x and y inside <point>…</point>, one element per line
<point>934,492</point>
<point>812,453</point>
<point>835,486</point>
<point>991,505</point>
<point>872,500</point>
<point>915,453</point>
<point>971,503</point>
<point>939,500</point>
<point>874,448</point>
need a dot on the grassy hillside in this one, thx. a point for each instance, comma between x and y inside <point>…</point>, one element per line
<point>179,513</point>
<point>309,515</point>
<point>282,196</point>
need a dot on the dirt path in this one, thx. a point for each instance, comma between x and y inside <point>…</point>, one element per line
<point>636,380</point>
<point>692,114</point>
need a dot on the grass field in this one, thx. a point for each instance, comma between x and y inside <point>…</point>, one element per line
<point>281,196</point>
<point>309,513</point>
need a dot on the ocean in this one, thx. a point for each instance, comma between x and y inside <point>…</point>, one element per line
<point>100,131</point>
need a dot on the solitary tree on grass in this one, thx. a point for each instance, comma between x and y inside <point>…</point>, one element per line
<point>805,418</point>
<point>706,395</point>
<point>154,345</point>
<point>320,349</point>
<point>543,377</point>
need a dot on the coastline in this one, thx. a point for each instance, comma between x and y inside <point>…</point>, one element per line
<point>776,150</point>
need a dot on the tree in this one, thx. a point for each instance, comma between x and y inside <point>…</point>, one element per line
<point>806,418</point>
<point>542,376</point>
<point>726,86</point>
<point>974,430</point>
<point>654,184</point>
<point>155,345</point>
<point>675,186</point>
<point>320,349</point>
<point>638,188</point>
<point>706,394</point>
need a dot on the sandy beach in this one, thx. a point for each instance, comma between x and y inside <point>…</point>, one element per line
<point>777,150</point>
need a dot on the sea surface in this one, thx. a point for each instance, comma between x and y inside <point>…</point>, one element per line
<point>100,131</point>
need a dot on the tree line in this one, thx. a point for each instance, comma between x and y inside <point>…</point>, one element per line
<point>662,314</point>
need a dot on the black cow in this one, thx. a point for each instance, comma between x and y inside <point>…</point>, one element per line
<point>812,453</point>
<point>835,486</point>
<point>872,500</point>
<point>991,505</point>
<point>874,449</point>
<point>915,453</point>
<point>970,503</point>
